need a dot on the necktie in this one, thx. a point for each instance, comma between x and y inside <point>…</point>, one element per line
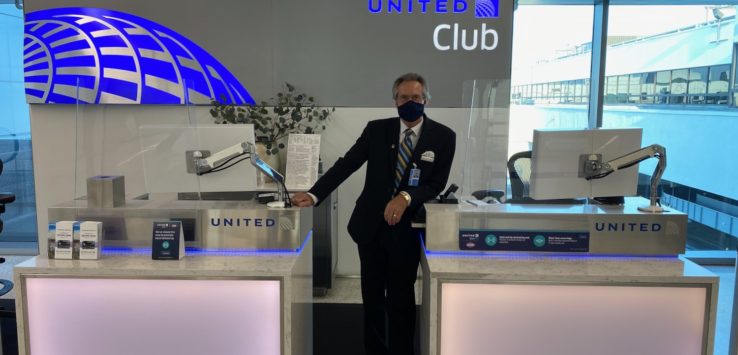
<point>403,157</point>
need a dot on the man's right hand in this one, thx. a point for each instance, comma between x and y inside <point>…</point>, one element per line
<point>302,199</point>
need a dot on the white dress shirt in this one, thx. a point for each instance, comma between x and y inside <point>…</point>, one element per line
<point>416,132</point>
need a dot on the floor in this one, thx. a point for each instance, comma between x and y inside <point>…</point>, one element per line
<point>348,290</point>
<point>337,318</point>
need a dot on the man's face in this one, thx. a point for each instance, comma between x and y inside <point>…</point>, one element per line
<point>409,90</point>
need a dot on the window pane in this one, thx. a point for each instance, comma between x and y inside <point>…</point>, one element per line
<point>717,85</point>
<point>634,88</point>
<point>20,229</point>
<point>545,90</point>
<point>564,92</point>
<point>557,56</point>
<point>571,91</point>
<point>697,85</point>
<point>678,86</point>
<point>697,80</point>
<point>622,89</point>
<point>648,88</point>
<point>611,89</point>
<point>663,82</point>
<point>556,91</point>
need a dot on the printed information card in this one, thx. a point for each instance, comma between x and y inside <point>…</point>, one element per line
<point>168,241</point>
<point>506,240</point>
<point>303,153</point>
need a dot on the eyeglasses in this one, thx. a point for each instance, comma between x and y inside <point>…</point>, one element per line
<point>405,98</point>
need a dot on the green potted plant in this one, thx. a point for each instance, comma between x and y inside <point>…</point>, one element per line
<point>290,111</point>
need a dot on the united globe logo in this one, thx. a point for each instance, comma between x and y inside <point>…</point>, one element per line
<point>487,8</point>
<point>99,56</point>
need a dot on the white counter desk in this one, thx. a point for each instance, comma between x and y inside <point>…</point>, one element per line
<point>503,297</point>
<point>230,303</point>
<point>559,305</point>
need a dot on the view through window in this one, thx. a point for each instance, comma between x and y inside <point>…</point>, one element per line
<point>19,230</point>
<point>552,47</point>
<point>668,70</point>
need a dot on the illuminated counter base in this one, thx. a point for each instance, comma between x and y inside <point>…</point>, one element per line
<point>234,304</point>
<point>476,305</point>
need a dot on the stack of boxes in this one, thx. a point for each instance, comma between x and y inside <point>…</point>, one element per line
<point>75,240</point>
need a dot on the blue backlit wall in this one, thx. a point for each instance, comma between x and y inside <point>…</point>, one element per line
<point>102,56</point>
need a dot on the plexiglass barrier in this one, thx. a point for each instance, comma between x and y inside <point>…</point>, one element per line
<point>139,164</point>
<point>109,142</point>
<point>485,168</point>
<point>152,146</point>
<point>550,166</point>
<point>200,158</point>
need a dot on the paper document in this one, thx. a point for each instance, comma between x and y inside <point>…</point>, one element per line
<point>303,152</point>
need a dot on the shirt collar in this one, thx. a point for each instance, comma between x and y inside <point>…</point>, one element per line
<point>415,129</point>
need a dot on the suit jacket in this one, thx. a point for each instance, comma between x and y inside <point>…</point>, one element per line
<point>377,146</point>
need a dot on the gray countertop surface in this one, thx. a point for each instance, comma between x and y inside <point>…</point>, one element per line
<point>256,265</point>
<point>567,269</point>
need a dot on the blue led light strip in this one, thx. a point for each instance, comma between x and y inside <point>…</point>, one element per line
<point>191,251</point>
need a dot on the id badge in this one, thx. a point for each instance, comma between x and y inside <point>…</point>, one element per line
<point>414,176</point>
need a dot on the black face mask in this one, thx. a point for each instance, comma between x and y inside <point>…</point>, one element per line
<point>410,111</point>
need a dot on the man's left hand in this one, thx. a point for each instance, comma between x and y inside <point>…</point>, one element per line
<point>394,210</point>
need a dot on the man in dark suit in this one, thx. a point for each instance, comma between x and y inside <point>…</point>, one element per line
<point>408,162</point>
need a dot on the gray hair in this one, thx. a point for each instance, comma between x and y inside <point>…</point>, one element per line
<point>411,77</point>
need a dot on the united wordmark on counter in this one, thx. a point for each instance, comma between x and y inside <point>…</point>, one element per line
<point>242,222</point>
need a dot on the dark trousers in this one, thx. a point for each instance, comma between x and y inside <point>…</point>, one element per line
<point>389,266</point>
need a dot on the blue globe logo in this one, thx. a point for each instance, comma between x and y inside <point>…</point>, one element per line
<point>165,245</point>
<point>539,240</point>
<point>98,56</point>
<point>490,240</point>
<point>487,8</point>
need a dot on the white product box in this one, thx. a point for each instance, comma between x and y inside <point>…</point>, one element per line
<point>90,239</point>
<point>65,239</point>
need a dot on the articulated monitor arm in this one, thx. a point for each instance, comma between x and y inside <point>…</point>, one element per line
<point>205,163</point>
<point>592,167</point>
